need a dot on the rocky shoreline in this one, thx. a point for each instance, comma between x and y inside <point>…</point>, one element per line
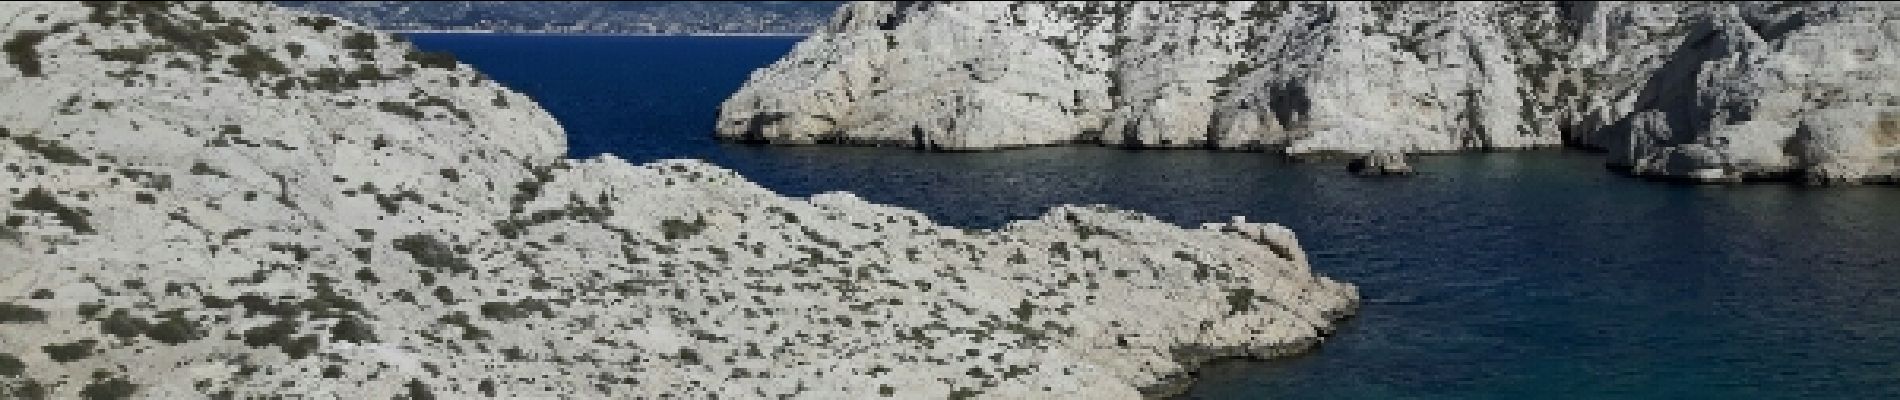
<point>236,200</point>
<point>1697,92</point>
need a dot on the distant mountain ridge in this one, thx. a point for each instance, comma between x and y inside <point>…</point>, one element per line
<point>629,17</point>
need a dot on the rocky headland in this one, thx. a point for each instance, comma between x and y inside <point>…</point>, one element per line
<point>232,200</point>
<point>1700,91</point>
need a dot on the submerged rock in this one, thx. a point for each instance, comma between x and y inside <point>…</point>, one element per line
<point>1758,89</point>
<point>234,200</point>
<point>1380,163</point>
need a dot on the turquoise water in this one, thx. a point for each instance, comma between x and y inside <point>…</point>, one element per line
<point>1502,275</point>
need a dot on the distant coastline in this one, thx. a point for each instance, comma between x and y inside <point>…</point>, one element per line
<point>536,33</point>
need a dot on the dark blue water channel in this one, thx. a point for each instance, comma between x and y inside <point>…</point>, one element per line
<point>1505,275</point>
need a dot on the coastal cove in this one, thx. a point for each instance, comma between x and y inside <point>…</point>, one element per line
<point>236,200</point>
<point>1490,275</point>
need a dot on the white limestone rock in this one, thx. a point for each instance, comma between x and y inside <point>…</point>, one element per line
<point>1734,82</point>
<point>1380,163</point>
<point>236,200</point>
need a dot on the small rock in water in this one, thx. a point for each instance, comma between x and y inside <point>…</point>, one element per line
<point>1380,163</point>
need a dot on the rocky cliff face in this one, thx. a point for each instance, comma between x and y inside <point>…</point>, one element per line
<point>234,200</point>
<point>1702,91</point>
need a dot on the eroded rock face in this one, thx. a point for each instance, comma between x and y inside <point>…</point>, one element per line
<point>231,199</point>
<point>1725,91</point>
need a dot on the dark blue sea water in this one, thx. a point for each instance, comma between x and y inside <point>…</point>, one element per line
<point>1505,275</point>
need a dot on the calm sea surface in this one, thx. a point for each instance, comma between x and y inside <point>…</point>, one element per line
<point>1505,275</point>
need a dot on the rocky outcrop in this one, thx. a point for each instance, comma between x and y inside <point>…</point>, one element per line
<point>1701,91</point>
<point>233,200</point>
<point>1380,163</point>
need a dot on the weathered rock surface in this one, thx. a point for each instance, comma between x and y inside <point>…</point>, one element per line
<point>1704,91</point>
<point>235,200</point>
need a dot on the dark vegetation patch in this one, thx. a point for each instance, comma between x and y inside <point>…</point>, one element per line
<point>90,310</point>
<point>1086,230</point>
<point>255,63</point>
<point>392,203</point>
<point>419,391</point>
<point>50,149</point>
<point>431,59</point>
<point>1241,300</point>
<point>360,41</point>
<point>105,386</point>
<point>200,168</point>
<point>148,179</point>
<point>172,327</point>
<point>283,334</point>
<point>402,109</point>
<point>674,229</point>
<point>1024,311</point>
<point>135,55</point>
<point>40,200</point>
<point>575,210</point>
<point>326,304</point>
<point>200,36</point>
<point>22,54</point>
<point>524,308</point>
<point>336,79</point>
<point>528,190</point>
<point>443,294</point>
<point>11,365</point>
<point>320,24</point>
<point>964,393</point>
<point>432,253</point>
<point>16,313</point>
<point>433,101</point>
<point>25,389</point>
<point>352,330</point>
<point>69,352</point>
